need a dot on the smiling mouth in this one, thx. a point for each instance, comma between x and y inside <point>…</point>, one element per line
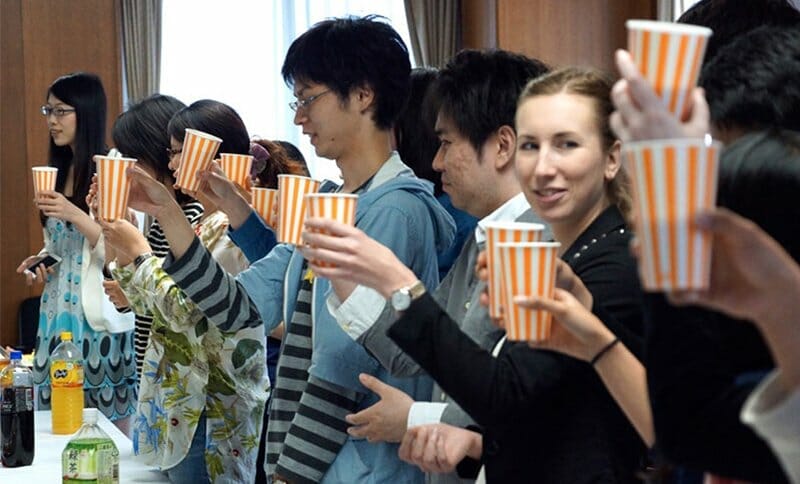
<point>549,194</point>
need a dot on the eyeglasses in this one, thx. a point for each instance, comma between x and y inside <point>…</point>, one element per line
<point>303,103</point>
<point>171,152</point>
<point>58,111</point>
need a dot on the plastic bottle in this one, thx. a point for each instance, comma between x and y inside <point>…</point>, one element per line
<point>90,456</point>
<point>16,413</point>
<point>66,384</point>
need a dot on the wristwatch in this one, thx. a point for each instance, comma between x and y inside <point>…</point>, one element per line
<point>401,298</point>
<point>141,258</point>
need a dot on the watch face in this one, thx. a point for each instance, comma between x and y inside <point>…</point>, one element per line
<point>401,299</point>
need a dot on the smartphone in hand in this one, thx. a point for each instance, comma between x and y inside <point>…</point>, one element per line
<point>48,260</point>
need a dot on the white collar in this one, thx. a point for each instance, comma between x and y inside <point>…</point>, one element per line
<point>507,212</point>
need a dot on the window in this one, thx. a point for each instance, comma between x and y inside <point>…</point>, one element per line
<point>233,51</point>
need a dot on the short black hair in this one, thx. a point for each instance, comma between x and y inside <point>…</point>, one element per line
<point>84,92</point>
<point>352,52</point>
<point>417,142</point>
<point>141,133</point>
<point>478,90</point>
<point>752,83</point>
<point>731,18</point>
<point>293,152</point>
<point>759,178</point>
<point>215,118</point>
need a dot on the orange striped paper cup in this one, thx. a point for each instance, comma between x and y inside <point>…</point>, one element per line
<point>199,149</point>
<point>500,232</point>
<point>528,269</point>
<point>264,200</point>
<point>44,178</point>
<point>292,190</point>
<point>669,56</point>
<point>236,167</point>
<point>340,207</point>
<point>673,181</point>
<point>113,187</point>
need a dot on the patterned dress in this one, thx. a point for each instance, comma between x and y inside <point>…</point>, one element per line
<point>109,367</point>
<point>191,367</point>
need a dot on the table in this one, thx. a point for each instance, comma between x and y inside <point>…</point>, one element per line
<point>46,465</point>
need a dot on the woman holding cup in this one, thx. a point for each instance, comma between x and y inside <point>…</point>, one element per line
<point>75,110</point>
<point>224,379</point>
<point>568,164</point>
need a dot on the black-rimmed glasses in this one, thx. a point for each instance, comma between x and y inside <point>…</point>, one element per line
<point>58,111</point>
<point>303,103</point>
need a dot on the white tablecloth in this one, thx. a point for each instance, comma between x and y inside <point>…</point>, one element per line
<point>46,466</point>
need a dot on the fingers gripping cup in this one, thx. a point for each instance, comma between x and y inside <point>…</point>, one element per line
<point>496,233</point>
<point>236,167</point>
<point>264,200</point>
<point>198,151</point>
<point>669,56</point>
<point>292,190</point>
<point>528,269</point>
<point>340,207</point>
<point>113,187</point>
<point>44,178</point>
<point>673,181</point>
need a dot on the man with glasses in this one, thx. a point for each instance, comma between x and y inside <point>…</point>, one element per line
<point>351,78</point>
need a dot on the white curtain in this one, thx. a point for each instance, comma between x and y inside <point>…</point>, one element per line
<point>233,52</point>
<point>141,44</point>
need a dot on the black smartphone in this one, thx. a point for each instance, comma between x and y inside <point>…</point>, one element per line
<point>48,261</point>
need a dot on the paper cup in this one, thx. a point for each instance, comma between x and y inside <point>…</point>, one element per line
<point>44,178</point>
<point>236,167</point>
<point>292,190</point>
<point>669,56</point>
<point>499,232</point>
<point>264,200</point>
<point>673,180</point>
<point>528,269</point>
<point>199,149</point>
<point>333,206</point>
<point>113,187</point>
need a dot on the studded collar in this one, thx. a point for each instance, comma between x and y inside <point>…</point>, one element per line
<point>610,223</point>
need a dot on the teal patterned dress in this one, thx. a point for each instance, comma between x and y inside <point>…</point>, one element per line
<point>109,366</point>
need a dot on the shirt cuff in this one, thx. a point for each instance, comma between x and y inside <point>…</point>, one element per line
<point>772,410</point>
<point>358,312</point>
<point>422,413</point>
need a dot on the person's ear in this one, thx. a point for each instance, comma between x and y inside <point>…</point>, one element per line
<point>364,96</point>
<point>506,145</point>
<point>613,161</point>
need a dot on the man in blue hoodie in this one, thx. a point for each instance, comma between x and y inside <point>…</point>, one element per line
<point>350,77</point>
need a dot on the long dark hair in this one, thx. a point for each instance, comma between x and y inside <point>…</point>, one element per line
<point>85,93</point>
<point>141,133</point>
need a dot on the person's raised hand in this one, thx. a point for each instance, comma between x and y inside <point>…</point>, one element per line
<point>55,204</point>
<point>147,194</point>
<point>125,238</point>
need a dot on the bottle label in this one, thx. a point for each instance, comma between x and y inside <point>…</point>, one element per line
<point>91,461</point>
<point>17,399</point>
<point>66,374</point>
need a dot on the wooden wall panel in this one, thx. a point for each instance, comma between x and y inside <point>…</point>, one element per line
<point>479,24</point>
<point>42,39</point>
<point>568,32</point>
<point>14,198</point>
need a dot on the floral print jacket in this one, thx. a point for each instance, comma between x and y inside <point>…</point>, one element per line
<point>191,366</point>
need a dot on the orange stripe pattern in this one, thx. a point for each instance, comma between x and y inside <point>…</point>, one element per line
<point>236,168</point>
<point>528,269</point>
<point>496,233</point>
<point>264,200</point>
<point>340,207</point>
<point>44,178</point>
<point>199,149</point>
<point>292,190</point>
<point>113,187</point>
<point>673,181</point>
<point>669,58</point>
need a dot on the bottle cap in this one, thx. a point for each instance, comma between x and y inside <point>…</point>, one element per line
<point>66,336</point>
<point>16,355</point>
<point>90,415</point>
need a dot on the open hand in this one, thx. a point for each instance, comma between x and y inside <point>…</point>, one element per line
<point>386,420</point>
